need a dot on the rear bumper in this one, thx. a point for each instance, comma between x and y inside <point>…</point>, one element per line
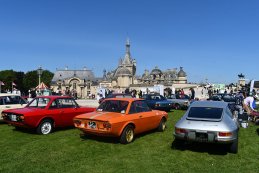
<point>98,132</point>
<point>212,138</point>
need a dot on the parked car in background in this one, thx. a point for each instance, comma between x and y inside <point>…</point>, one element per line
<point>223,97</point>
<point>121,117</point>
<point>115,95</point>
<point>10,101</point>
<point>158,102</point>
<point>45,113</point>
<point>209,122</point>
<point>179,101</point>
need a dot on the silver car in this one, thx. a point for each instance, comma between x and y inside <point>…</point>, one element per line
<point>210,122</point>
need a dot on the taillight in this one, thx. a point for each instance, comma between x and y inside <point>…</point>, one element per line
<point>225,134</point>
<point>107,125</point>
<point>179,130</point>
<point>157,105</point>
<point>77,122</point>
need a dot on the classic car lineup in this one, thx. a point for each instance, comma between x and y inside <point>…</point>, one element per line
<point>123,118</point>
<point>44,113</point>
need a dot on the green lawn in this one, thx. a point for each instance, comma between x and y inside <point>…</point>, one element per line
<point>64,151</point>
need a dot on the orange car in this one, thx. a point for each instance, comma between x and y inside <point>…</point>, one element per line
<point>121,117</point>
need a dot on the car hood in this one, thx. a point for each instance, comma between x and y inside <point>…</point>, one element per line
<point>100,116</point>
<point>24,111</point>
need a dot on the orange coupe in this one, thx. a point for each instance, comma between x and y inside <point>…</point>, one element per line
<point>121,117</point>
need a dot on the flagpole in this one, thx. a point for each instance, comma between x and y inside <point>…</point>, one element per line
<point>12,87</point>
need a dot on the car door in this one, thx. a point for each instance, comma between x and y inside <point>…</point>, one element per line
<point>55,111</point>
<point>142,116</point>
<point>69,111</point>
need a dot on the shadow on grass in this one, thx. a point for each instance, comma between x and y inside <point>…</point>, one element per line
<point>213,149</point>
<point>114,140</point>
<point>257,130</point>
<point>33,131</point>
<point>104,139</point>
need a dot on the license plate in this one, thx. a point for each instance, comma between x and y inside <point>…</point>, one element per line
<point>13,117</point>
<point>202,137</point>
<point>82,125</point>
<point>91,124</point>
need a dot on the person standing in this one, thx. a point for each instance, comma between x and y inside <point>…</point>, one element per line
<point>192,94</point>
<point>248,104</point>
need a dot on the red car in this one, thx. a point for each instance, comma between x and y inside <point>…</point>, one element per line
<point>46,112</point>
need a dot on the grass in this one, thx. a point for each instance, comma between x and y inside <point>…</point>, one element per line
<point>64,151</point>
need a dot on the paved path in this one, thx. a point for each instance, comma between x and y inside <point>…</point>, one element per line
<point>90,103</point>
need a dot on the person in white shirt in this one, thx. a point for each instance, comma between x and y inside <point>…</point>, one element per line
<point>248,103</point>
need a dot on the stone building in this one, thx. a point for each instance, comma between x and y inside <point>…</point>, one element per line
<point>82,82</point>
<point>125,74</point>
<point>167,77</point>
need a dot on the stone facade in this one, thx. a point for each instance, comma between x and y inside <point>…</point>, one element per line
<point>83,82</point>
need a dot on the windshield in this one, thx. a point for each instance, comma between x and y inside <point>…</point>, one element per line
<point>39,103</point>
<point>113,106</point>
<point>205,113</point>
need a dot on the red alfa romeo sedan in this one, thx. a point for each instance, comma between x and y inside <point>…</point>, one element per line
<point>44,113</point>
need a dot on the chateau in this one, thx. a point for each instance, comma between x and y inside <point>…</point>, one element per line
<point>84,83</point>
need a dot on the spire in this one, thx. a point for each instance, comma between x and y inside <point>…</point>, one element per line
<point>127,58</point>
<point>128,46</point>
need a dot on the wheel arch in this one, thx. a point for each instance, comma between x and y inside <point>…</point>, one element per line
<point>46,118</point>
<point>125,125</point>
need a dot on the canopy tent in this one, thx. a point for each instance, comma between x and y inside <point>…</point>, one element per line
<point>42,86</point>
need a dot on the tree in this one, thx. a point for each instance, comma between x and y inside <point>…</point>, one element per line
<point>7,76</point>
<point>46,77</point>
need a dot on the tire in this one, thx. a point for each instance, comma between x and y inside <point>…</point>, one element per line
<point>162,125</point>
<point>234,147</point>
<point>127,135</point>
<point>45,127</point>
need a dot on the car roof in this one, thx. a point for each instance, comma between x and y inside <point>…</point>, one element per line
<point>124,99</point>
<point>217,104</point>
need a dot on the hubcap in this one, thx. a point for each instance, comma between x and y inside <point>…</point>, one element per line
<point>129,135</point>
<point>46,128</point>
<point>163,125</point>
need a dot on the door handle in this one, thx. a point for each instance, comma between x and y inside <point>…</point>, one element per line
<point>140,116</point>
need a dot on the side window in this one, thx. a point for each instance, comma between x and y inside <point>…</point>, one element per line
<point>67,103</point>
<point>54,105</point>
<point>139,106</point>
<point>132,108</point>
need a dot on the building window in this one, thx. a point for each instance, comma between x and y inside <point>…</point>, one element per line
<point>74,86</point>
<point>88,85</point>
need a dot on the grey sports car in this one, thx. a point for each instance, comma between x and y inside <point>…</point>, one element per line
<point>210,122</point>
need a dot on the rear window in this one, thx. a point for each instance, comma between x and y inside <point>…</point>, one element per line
<point>205,113</point>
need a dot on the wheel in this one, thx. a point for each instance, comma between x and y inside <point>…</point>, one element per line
<point>162,125</point>
<point>234,146</point>
<point>45,127</point>
<point>176,106</point>
<point>127,135</point>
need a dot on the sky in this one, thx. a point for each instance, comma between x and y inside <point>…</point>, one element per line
<point>211,39</point>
